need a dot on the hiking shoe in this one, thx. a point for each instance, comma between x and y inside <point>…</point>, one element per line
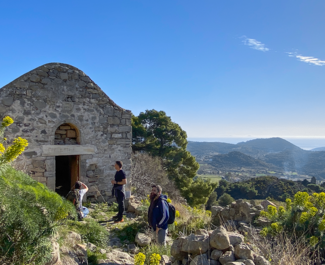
<point>119,221</point>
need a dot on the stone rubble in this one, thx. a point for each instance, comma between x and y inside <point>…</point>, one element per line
<point>214,247</point>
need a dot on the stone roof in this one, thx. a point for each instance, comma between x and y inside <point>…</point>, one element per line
<point>63,71</point>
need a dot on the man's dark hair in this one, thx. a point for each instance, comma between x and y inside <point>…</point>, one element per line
<point>77,185</point>
<point>158,187</point>
<point>119,163</point>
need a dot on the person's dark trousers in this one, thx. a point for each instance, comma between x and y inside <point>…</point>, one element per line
<point>120,200</point>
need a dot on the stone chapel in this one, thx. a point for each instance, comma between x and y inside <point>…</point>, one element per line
<point>74,130</point>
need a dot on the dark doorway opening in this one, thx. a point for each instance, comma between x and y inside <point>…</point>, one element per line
<point>67,173</point>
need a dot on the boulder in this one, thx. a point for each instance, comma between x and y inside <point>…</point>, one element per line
<point>142,239</point>
<point>196,244</point>
<point>266,203</point>
<point>55,260</point>
<point>235,263</point>
<point>73,238</point>
<point>260,260</point>
<point>215,210</point>
<point>74,256</point>
<point>235,238</point>
<point>216,254</point>
<point>214,262</point>
<point>117,258</point>
<point>133,249</point>
<point>91,247</point>
<point>219,239</point>
<point>176,249</point>
<point>242,251</point>
<point>164,260</point>
<point>226,257</point>
<point>132,206</point>
<point>200,260</point>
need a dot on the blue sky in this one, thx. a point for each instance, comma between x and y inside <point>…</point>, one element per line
<point>218,68</point>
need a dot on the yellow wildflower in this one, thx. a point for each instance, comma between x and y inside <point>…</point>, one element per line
<point>304,217</point>
<point>139,259</point>
<point>264,232</point>
<point>16,149</point>
<point>2,148</point>
<point>177,214</point>
<point>281,211</point>
<point>155,259</point>
<point>169,200</point>
<point>313,240</point>
<point>7,121</point>
<point>272,211</point>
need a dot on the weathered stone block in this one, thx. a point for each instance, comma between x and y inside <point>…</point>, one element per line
<point>64,76</point>
<point>35,78</point>
<point>7,101</point>
<point>113,120</point>
<point>65,127</point>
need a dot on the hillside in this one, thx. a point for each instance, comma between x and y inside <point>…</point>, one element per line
<point>237,159</point>
<point>260,156</point>
<point>255,148</point>
<point>318,149</point>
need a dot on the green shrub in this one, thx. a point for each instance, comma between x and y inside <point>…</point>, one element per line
<point>29,216</point>
<point>94,257</point>
<point>90,231</point>
<point>225,200</point>
<point>129,232</point>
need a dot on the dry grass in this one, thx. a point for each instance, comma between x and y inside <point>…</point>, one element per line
<point>284,250</point>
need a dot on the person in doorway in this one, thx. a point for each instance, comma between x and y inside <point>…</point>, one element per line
<point>80,190</point>
<point>119,190</point>
<point>158,214</point>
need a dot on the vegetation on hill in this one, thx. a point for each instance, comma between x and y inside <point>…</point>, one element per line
<point>261,188</point>
<point>155,133</point>
<point>237,159</point>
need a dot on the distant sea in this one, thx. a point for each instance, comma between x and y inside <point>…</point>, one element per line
<point>303,143</point>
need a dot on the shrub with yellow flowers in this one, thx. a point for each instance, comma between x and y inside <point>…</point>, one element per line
<point>10,153</point>
<point>304,216</point>
<point>155,259</point>
<point>139,258</point>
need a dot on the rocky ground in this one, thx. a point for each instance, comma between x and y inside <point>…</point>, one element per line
<point>212,246</point>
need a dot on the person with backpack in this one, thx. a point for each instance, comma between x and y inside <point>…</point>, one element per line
<point>158,214</point>
<point>76,195</point>
<point>119,190</point>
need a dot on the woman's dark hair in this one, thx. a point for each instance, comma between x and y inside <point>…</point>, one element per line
<point>77,185</point>
<point>119,163</point>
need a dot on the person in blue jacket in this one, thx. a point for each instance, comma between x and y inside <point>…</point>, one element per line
<point>158,214</point>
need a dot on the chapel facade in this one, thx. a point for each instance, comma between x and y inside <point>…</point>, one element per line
<point>74,130</point>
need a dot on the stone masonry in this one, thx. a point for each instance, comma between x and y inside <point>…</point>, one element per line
<point>57,104</point>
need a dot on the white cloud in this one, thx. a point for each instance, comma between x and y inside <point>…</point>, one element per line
<point>306,59</point>
<point>255,44</point>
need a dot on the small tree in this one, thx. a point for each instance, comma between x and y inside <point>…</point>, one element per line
<point>225,200</point>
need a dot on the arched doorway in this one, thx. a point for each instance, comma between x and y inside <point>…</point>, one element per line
<point>66,167</point>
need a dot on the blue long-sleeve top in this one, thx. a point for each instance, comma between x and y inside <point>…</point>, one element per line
<point>160,213</point>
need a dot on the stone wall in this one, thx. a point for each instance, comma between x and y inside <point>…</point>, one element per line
<point>57,104</point>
